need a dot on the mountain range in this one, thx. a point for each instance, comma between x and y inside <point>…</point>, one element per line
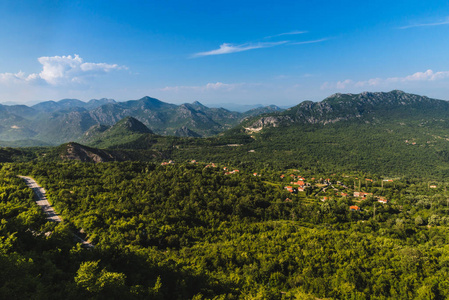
<point>393,133</point>
<point>66,120</point>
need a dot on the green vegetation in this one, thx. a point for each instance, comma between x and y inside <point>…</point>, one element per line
<point>183,231</point>
<point>342,199</point>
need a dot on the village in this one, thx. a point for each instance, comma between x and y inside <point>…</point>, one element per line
<point>352,188</point>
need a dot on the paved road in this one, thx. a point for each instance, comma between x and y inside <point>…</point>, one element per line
<point>46,206</point>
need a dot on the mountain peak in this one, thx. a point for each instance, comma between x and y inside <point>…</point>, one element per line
<point>131,124</point>
<point>197,103</point>
<point>151,100</point>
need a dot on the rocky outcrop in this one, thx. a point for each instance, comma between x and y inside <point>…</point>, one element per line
<point>186,132</point>
<point>74,151</point>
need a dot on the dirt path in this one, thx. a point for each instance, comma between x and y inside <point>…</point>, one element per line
<point>42,201</point>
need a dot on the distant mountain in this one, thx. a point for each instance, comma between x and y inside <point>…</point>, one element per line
<point>124,131</point>
<point>262,110</point>
<point>64,104</point>
<point>129,125</point>
<point>94,103</point>
<point>66,120</point>
<point>237,107</point>
<point>344,107</point>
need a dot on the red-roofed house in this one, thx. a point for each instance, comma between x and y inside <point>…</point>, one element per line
<point>382,200</point>
<point>290,189</point>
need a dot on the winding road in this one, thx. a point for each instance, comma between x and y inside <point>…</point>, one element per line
<point>42,201</point>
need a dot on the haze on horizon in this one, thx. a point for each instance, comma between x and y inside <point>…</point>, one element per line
<point>262,52</point>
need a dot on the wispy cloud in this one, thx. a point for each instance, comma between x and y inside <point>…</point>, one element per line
<point>309,42</point>
<point>60,70</point>
<point>295,32</point>
<point>426,76</point>
<point>227,48</point>
<point>438,23</point>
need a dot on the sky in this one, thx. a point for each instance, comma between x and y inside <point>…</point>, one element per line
<point>215,52</point>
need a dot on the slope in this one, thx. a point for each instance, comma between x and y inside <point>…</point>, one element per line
<point>124,131</point>
<point>388,133</point>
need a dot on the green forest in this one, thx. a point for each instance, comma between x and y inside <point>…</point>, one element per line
<point>198,231</point>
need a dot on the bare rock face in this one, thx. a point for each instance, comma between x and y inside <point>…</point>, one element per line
<point>186,132</point>
<point>272,121</point>
<point>82,153</point>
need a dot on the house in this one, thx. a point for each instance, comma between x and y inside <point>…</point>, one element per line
<point>325,199</point>
<point>232,172</point>
<point>299,182</point>
<point>433,186</point>
<point>343,194</point>
<point>300,189</point>
<point>362,194</point>
<point>290,189</point>
<point>382,200</point>
<point>354,208</point>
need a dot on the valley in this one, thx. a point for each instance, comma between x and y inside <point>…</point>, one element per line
<point>344,198</point>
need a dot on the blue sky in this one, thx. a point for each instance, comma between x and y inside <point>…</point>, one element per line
<point>245,52</point>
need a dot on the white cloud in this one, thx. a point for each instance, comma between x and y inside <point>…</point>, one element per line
<point>17,77</point>
<point>227,48</point>
<point>445,22</point>
<point>426,76</point>
<point>60,70</point>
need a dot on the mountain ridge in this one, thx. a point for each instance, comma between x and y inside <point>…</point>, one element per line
<point>57,122</point>
<point>344,107</point>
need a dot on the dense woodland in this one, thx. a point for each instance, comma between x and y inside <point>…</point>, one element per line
<point>188,230</point>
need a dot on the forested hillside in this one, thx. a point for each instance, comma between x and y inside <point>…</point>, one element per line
<point>182,231</point>
<point>384,133</point>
